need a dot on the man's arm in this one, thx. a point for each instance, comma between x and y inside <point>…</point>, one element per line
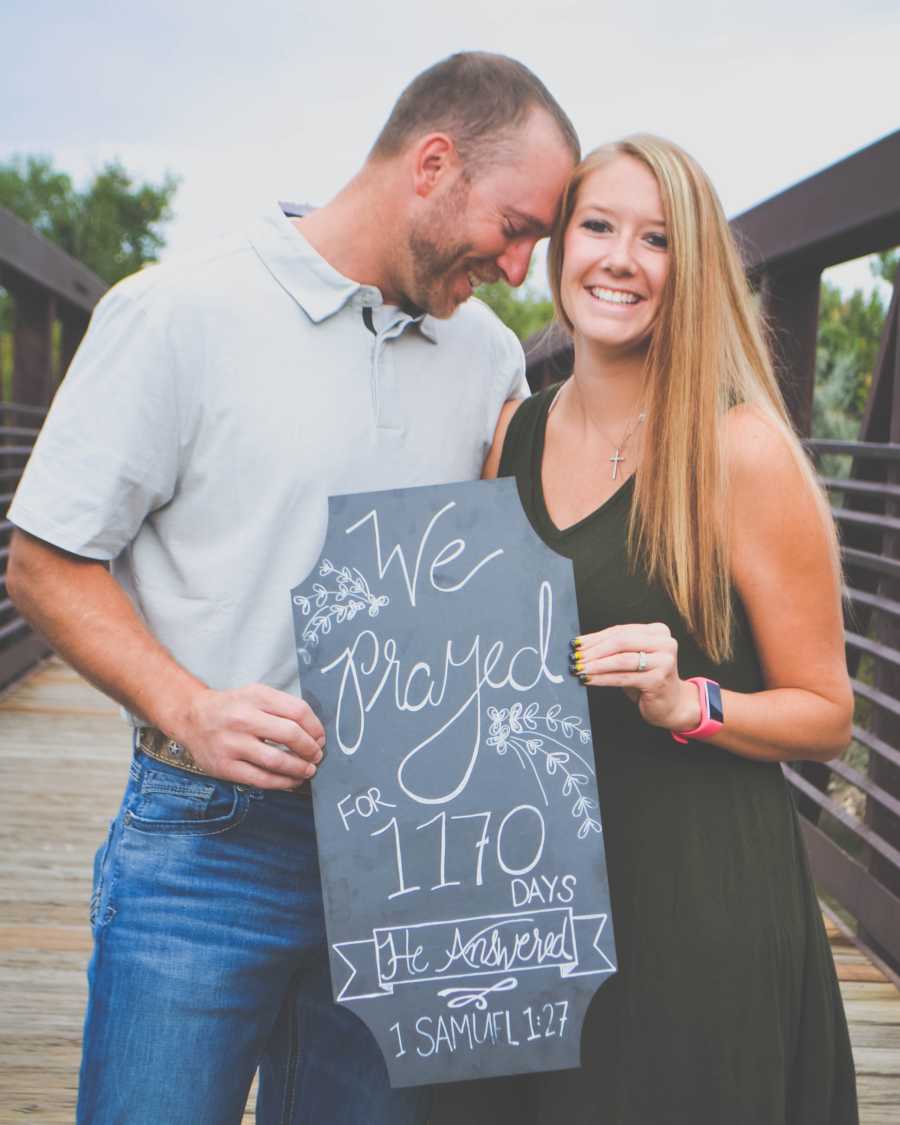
<point>87,617</point>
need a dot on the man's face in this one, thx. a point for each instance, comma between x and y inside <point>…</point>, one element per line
<point>483,231</point>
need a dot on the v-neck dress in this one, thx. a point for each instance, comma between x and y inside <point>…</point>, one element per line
<point>725,1009</point>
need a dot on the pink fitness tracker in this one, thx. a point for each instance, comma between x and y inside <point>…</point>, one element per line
<point>712,715</point>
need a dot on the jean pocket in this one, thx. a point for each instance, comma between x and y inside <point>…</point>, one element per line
<point>101,910</point>
<point>183,804</point>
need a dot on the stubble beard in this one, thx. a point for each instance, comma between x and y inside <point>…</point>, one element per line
<point>434,256</point>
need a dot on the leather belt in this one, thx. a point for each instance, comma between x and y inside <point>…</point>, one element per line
<point>157,745</point>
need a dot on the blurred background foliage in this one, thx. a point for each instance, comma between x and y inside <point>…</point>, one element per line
<point>115,225</point>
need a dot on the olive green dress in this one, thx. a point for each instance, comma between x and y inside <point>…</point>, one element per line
<point>725,1009</point>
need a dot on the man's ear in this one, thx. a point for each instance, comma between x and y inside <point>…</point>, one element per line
<point>434,158</point>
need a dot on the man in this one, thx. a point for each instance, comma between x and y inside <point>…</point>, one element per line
<point>212,408</point>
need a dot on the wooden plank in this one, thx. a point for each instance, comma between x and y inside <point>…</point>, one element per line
<point>64,752</point>
<point>844,972</point>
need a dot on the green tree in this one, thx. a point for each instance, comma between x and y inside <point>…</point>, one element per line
<point>885,264</point>
<point>834,412</point>
<point>113,226</point>
<point>849,335</point>
<point>523,310</point>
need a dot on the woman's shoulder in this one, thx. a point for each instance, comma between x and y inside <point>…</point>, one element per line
<point>532,409</point>
<point>775,505</point>
<point>757,443</point>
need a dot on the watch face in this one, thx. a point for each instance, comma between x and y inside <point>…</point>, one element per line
<point>714,702</point>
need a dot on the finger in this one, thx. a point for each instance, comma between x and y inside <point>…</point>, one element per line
<point>619,662</point>
<point>287,706</point>
<point>623,638</point>
<point>641,682</point>
<point>615,639</point>
<point>236,749</point>
<point>286,732</point>
<point>245,773</point>
<point>277,761</point>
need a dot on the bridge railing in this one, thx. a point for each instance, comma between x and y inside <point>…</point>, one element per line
<point>20,647</point>
<point>850,807</point>
<point>49,296</point>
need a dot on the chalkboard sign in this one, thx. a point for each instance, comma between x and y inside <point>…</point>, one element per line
<point>460,842</point>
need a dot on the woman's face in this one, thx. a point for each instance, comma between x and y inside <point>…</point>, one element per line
<point>616,256</point>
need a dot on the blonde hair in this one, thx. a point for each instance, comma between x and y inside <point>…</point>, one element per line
<point>707,354</point>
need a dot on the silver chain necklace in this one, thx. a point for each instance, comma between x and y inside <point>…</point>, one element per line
<point>618,456</point>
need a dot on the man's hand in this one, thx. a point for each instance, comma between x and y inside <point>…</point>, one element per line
<point>253,735</point>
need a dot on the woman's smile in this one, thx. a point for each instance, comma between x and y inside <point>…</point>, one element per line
<point>613,296</point>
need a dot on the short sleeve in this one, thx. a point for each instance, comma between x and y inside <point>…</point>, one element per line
<point>511,365</point>
<point>107,455</point>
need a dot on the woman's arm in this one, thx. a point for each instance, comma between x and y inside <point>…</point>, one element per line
<point>492,461</point>
<point>785,571</point>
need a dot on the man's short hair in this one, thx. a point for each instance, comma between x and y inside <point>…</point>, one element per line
<point>478,99</point>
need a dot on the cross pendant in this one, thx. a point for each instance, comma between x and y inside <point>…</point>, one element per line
<point>615,460</point>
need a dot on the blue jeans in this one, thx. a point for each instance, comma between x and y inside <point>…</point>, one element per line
<point>210,961</point>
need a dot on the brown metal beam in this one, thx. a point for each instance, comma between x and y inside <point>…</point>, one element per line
<point>843,212</point>
<point>74,325</point>
<point>33,378</point>
<point>877,910</point>
<point>28,254</point>
<point>791,300</point>
<point>19,654</point>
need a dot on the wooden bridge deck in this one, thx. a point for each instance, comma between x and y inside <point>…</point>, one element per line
<point>63,763</point>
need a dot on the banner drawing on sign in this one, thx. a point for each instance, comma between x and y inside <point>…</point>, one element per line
<point>550,939</point>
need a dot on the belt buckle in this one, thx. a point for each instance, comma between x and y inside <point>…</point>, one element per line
<point>158,746</point>
<point>154,743</point>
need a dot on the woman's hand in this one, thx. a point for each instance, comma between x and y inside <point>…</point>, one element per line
<point>643,660</point>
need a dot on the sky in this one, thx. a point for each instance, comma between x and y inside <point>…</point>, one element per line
<point>250,102</point>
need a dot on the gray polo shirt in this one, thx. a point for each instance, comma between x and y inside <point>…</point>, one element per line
<point>213,406</point>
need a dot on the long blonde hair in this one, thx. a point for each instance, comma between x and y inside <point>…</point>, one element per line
<point>707,354</point>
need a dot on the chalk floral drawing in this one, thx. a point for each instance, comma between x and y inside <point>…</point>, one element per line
<point>334,604</point>
<point>537,741</point>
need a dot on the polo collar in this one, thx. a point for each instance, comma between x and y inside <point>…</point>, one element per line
<point>308,278</point>
<point>427,327</point>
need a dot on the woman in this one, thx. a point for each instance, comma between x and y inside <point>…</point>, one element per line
<point>703,551</point>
